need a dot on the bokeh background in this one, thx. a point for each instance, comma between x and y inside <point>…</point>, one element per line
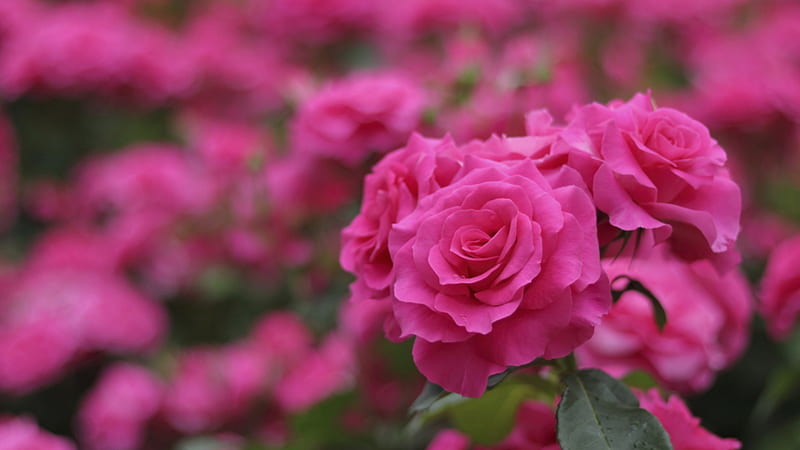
<point>175,174</point>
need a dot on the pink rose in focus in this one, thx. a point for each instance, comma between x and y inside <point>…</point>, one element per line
<point>115,413</point>
<point>684,429</point>
<point>495,270</point>
<point>20,433</point>
<point>708,318</point>
<point>351,118</point>
<point>780,289</point>
<point>391,192</point>
<point>659,170</point>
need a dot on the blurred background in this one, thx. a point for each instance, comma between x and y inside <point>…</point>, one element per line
<point>174,176</point>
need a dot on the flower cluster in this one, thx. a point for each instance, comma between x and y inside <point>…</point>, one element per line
<point>184,185</point>
<point>490,252</point>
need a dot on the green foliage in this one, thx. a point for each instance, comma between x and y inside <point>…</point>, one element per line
<point>489,419</point>
<point>598,411</point>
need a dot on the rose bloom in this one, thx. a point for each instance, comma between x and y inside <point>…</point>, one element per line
<point>708,316</point>
<point>659,170</point>
<point>21,433</point>
<point>684,430</point>
<point>116,411</point>
<point>364,113</point>
<point>391,192</point>
<point>780,289</point>
<point>495,270</point>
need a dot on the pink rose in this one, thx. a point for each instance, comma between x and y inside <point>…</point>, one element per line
<point>684,429</point>
<point>21,433</point>
<point>659,170</point>
<point>449,440</point>
<point>708,316</point>
<point>391,192</point>
<point>115,413</point>
<point>780,289</point>
<point>495,270</point>
<point>353,117</point>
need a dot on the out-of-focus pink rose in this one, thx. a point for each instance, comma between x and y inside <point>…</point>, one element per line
<point>763,232</point>
<point>391,192</point>
<point>449,440</point>
<point>683,428</point>
<point>69,298</point>
<point>304,184</point>
<point>20,433</point>
<point>197,398</point>
<point>314,22</point>
<point>233,76</point>
<point>780,289</point>
<point>495,270</point>
<point>708,318</point>
<point>349,119</point>
<point>115,413</point>
<point>34,353</point>
<point>93,49</point>
<point>322,373</point>
<point>659,170</point>
<point>413,18</point>
<point>284,337</point>
<point>132,197</point>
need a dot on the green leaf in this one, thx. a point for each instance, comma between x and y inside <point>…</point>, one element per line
<point>639,379</point>
<point>489,419</point>
<point>659,314</point>
<point>599,412</point>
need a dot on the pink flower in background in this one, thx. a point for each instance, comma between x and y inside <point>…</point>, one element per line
<point>116,412</point>
<point>708,318</point>
<point>96,50</point>
<point>69,299</point>
<point>659,170</point>
<point>232,75</point>
<point>319,375</point>
<point>780,289</point>
<point>306,185</point>
<point>391,192</point>
<point>495,270</point>
<point>20,433</point>
<point>449,440</point>
<point>197,398</point>
<point>351,118</point>
<point>414,18</point>
<point>683,428</point>
<point>313,22</point>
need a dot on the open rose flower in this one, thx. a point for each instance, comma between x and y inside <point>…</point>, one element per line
<point>659,170</point>
<point>683,428</point>
<point>364,113</point>
<point>495,270</point>
<point>391,192</point>
<point>708,316</point>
